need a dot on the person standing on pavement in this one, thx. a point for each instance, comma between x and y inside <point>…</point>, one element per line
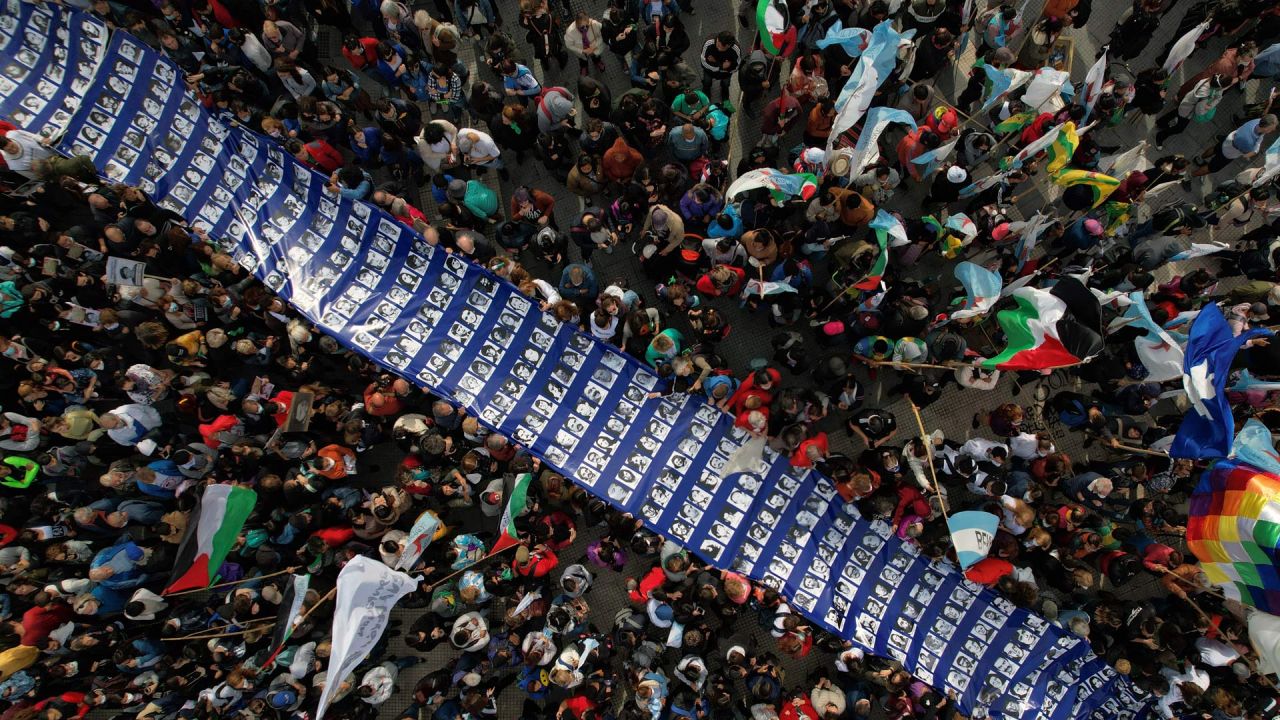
<point>585,41</point>
<point>720,59</point>
<point>1243,142</point>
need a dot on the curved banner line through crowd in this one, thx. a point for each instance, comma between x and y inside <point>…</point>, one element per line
<point>584,408</point>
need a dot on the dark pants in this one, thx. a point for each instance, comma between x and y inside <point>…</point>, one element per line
<point>708,78</point>
<point>1171,123</point>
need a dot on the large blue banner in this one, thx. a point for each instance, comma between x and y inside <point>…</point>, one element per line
<point>584,408</point>
<point>51,58</point>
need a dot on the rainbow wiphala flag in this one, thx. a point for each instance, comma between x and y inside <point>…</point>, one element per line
<point>1234,528</point>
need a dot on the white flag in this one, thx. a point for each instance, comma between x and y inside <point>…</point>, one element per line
<point>1093,83</point>
<point>857,104</point>
<point>1119,166</point>
<point>1182,49</point>
<point>1046,84</point>
<point>367,590</point>
<point>1036,146</point>
<point>1199,250</point>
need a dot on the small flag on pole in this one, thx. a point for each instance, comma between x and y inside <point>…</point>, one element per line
<point>972,533</point>
<point>517,501</point>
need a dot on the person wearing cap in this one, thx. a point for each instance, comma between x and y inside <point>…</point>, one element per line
<point>667,227</point>
<point>1082,235</point>
<point>947,185</point>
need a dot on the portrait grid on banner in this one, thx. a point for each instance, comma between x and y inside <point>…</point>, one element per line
<point>586,409</point>
<point>49,59</point>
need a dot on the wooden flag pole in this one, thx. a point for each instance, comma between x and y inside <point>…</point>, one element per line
<point>894,363</point>
<point>235,582</point>
<point>207,634</point>
<point>928,449</point>
<point>458,572</point>
<point>1138,450</point>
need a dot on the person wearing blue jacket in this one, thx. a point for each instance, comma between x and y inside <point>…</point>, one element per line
<point>119,567</point>
<point>578,284</point>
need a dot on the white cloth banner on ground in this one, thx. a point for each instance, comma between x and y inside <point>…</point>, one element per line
<point>367,590</point>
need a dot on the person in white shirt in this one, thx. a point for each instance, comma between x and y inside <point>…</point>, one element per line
<point>379,683</point>
<point>21,151</point>
<point>253,49</point>
<point>478,149</point>
<point>986,451</point>
<point>435,144</point>
<point>130,424</point>
<point>1029,446</point>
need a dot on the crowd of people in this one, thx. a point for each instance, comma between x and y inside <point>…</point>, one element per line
<point>157,391</point>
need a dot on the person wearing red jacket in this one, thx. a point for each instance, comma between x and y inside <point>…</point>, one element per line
<point>761,383</point>
<point>69,705</point>
<point>361,52</point>
<point>318,154</point>
<point>724,280</point>
<point>803,458</point>
<point>988,571</point>
<point>798,708</point>
<point>41,620</point>
<point>639,592</point>
<point>536,563</point>
<point>336,536</point>
<point>280,405</point>
<point>916,143</point>
<point>911,502</point>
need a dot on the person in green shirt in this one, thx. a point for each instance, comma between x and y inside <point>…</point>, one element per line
<point>691,105</point>
<point>18,472</point>
<point>664,346</point>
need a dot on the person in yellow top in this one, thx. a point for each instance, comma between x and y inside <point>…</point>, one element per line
<point>78,423</point>
<point>16,659</point>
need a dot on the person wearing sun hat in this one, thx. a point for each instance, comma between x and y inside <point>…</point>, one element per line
<point>947,185</point>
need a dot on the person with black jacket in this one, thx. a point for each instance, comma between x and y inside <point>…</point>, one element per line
<point>720,59</point>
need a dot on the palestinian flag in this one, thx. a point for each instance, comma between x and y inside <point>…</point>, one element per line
<point>1062,148</point>
<point>218,518</point>
<point>1098,186</point>
<point>290,610</point>
<point>516,504</point>
<point>876,273</point>
<point>773,20</point>
<point>1049,328</point>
